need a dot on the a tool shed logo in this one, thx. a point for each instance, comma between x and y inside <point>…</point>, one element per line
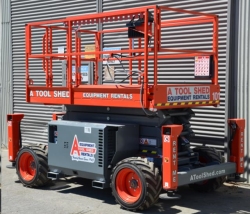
<point>83,151</point>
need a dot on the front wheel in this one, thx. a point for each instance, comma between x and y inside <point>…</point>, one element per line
<point>136,183</point>
<point>32,166</point>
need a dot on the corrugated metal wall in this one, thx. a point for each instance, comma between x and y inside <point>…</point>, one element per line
<point>34,125</point>
<point>209,121</point>
<point>6,101</point>
<point>243,84</point>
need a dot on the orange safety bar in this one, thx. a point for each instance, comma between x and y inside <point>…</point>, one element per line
<point>145,53</point>
<point>237,143</point>
<point>170,134</point>
<point>14,133</point>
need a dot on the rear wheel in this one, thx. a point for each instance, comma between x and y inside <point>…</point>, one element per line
<point>32,166</point>
<point>136,183</point>
<point>209,156</point>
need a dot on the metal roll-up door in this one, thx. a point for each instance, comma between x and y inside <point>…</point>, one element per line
<point>34,124</point>
<point>209,122</point>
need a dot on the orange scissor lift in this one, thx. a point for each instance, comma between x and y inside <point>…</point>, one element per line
<point>130,173</point>
<point>154,95</point>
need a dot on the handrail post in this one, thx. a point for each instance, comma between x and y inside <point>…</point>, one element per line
<point>145,73</point>
<point>215,50</point>
<point>69,57</point>
<point>97,56</point>
<point>46,60</point>
<point>130,61</point>
<point>51,58</point>
<point>156,43</point>
<point>28,52</point>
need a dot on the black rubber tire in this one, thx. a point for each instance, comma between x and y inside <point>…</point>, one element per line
<point>150,181</point>
<point>41,165</point>
<point>210,155</point>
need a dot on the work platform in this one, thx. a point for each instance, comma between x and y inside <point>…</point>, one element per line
<point>144,27</point>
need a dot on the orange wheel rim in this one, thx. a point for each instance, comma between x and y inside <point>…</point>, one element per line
<point>128,185</point>
<point>27,167</point>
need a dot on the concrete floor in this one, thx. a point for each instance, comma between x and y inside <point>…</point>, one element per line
<point>75,196</point>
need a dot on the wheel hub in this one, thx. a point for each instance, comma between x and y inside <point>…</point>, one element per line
<point>27,166</point>
<point>128,185</point>
<point>133,184</point>
<point>32,165</point>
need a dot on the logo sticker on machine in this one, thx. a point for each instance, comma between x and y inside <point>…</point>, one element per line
<point>87,130</point>
<point>83,151</point>
<point>189,93</point>
<point>147,141</point>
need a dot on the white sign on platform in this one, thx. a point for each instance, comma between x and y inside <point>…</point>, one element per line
<point>202,66</point>
<point>106,56</point>
<point>188,93</point>
<point>84,69</point>
<point>61,50</point>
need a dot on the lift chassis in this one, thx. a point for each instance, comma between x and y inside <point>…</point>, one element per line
<point>132,137</point>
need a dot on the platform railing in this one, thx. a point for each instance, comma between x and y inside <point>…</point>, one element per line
<point>143,50</point>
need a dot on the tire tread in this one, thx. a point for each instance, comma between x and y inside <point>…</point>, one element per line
<point>152,178</point>
<point>42,168</point>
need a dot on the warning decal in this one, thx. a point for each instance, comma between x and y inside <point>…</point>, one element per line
<point>83,151</point>
<point>166,138</point>
<point>188,93</point>
<point>202,66</point>
<point>147,141</point>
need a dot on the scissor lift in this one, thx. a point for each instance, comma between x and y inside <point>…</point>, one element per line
<point>133,136</point>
